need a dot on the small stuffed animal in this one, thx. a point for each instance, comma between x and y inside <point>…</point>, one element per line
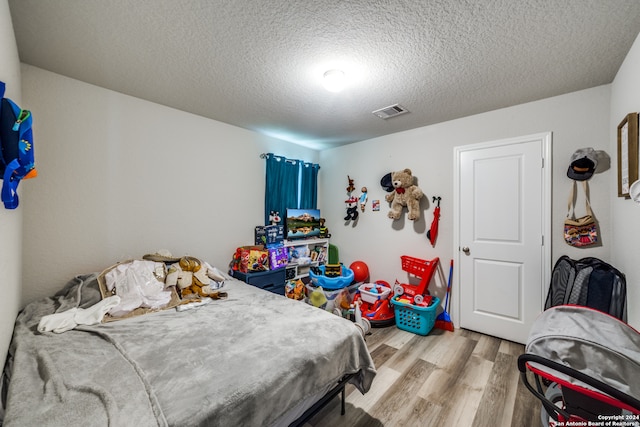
<point>352,208</point>
<point>363,198</point>
<point>193,279</point>
<point>405,193</point>
<point>274,218</point>
<point>351,186</point>
<point>294,289</point>
<point>324,231</point>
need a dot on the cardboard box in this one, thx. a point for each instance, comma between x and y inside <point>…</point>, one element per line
<point>258,260</point>
<point>278,257</point>
<point>250,258</point>
<point>269,235</point>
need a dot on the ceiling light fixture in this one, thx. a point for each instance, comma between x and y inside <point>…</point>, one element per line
<point>334,80</point>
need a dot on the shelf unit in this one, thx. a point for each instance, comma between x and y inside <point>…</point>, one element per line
<point>296,270</point>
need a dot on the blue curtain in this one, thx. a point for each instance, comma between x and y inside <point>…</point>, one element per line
<point>309,185</point>
<point>281,185</point>
<point>289,184</point>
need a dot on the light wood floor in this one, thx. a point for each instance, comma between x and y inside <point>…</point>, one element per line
<point>449,379</point>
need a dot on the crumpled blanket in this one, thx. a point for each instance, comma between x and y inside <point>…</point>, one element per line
<point>67,320</point>
<point>244,360</point>
<point>137,286</point>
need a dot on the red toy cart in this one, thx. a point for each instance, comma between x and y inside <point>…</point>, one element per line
<point>379,311</point>
<point>424,270</point>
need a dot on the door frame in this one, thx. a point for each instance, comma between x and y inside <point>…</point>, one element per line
<point>545,203</point>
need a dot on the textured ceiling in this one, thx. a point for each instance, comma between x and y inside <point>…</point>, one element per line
<point>258,64</point>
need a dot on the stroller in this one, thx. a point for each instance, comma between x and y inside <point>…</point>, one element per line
<point>587,358</point>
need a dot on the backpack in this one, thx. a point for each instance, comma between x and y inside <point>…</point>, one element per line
<point>16,148</point>
<point>589,282</point>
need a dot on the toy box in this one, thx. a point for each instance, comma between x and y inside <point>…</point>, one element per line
<point>258,260</point>
<point>250,258</point>
<point>319,254</point>
<point>269,235</point>
<point>297,252</point>
<point>278,257</point>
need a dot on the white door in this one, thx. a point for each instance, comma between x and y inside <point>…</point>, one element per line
<point>503,212</point>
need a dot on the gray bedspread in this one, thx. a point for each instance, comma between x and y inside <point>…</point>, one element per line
<point>241,361</point>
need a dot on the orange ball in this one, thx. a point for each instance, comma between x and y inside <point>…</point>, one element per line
<point>360,271</point>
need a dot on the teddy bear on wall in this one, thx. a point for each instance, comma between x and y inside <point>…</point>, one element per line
<point>404,193</point>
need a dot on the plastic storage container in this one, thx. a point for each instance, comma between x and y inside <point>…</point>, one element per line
<point>272,280</point>
<point>371,297</point>
<point>416,319</point>
<point>332,294</point>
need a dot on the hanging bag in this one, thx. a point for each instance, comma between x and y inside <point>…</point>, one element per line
<point>583,231</point>
<point>16,148</point>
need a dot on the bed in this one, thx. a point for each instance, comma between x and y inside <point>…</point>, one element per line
<point>251,359</point>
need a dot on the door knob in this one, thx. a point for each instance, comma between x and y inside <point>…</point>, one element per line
<point>465,249</point>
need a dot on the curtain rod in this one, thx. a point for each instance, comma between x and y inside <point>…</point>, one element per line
<point>264,156</point>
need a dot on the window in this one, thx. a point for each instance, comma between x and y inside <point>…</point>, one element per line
<point>289,184</point>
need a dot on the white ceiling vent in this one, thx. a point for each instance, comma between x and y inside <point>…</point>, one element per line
<point>390,111</point>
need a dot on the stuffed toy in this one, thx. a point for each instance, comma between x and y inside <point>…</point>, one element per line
<point>352,208</point>
<point>324,231</point>
<point>294,289</point>
<point>351,185</point>
<point>192,278</point>
<point>274,218</point>
<point>363,198</point>
<point>405,193</point>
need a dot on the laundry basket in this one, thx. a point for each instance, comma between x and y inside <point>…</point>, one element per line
<point>414,318</point>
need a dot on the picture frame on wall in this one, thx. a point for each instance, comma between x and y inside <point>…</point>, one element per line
<point>627,154</point>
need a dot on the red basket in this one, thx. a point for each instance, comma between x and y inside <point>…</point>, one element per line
<point>418,267</point>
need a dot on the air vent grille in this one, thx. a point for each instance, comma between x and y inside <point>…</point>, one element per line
<point>390,111</point>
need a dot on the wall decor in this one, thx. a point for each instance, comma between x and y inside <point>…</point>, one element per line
<point>627,153</point>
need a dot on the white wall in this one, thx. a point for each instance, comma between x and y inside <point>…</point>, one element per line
<point>625,214</point>
<point>579,119</point>
<point>10,220</point>
<point>120,177</point>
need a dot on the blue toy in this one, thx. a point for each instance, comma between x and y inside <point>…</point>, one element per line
<point>318,278</point>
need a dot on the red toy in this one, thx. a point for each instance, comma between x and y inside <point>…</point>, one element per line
<point>360,271</point>
<point>423,269</point>
<point>379,313</point>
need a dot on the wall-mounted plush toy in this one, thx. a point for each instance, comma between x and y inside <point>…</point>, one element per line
<point>405,193</point>
<point>351,185</point>
<point>363,198</point>
<point>352,208</point>
<point>274,218</point>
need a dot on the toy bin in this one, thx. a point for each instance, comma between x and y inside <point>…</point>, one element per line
<point>416,319</point>
<point>331,295</point>
<point>370,297</point>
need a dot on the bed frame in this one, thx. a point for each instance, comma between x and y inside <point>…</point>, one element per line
<point>320,404</point>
